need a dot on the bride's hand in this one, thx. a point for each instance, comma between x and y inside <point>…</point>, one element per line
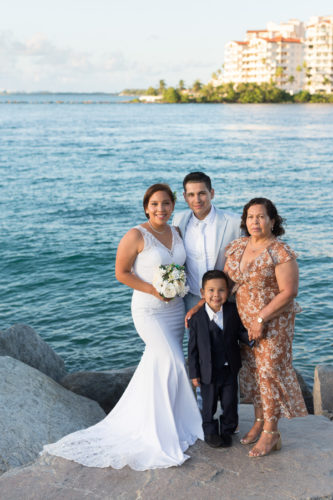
<point>158,295</point>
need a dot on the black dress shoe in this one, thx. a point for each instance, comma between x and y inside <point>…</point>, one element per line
<point>213,440</point>
<point>226,440</point>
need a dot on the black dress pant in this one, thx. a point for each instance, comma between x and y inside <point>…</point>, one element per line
<point>225,387</point>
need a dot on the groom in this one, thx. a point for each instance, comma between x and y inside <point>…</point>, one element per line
<point>206,231</point>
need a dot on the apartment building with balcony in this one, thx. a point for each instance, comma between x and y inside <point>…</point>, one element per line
<point>274,54</point>
<point>319,55</point>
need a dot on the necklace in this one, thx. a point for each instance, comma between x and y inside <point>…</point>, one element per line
<point>255,249</point>
<point>158,232</point>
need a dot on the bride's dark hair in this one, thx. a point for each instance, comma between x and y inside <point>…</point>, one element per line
<point>153,189</point>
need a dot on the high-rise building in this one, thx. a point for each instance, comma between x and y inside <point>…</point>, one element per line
<point>275,54</point>
<point>319,54</point>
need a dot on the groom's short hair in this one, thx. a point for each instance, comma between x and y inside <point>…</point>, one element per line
<point>197,177</point>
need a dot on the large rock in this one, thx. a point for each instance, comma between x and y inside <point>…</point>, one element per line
<point>35,410</point>
<point>323,390</point>
<point>303,469</point>
<point>22,342</point>
<point>307,394</point>
<point>104,387</point>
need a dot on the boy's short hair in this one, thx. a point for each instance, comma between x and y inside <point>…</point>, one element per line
<point>213,275</point>
<point>197,177</point>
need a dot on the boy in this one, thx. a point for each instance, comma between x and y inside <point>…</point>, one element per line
<point>214,357</point>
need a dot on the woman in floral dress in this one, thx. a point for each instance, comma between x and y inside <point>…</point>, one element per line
<point>265,274</point>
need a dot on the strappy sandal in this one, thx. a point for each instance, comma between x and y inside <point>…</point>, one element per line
<point>276,447</point>
<point>244,441</point>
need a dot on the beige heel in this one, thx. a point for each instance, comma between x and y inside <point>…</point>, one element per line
<point>276,447</point>
<point>244,441</point>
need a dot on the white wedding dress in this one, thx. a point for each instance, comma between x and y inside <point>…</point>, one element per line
<point>157,417</point>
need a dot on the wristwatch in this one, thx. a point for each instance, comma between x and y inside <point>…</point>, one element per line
<point>260,319</point>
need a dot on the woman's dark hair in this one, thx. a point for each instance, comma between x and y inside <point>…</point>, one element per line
<point>197,177</point>
<point>272,213</point>
<point>153,189</point>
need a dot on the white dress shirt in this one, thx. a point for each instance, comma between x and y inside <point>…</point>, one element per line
<point>217,317</point>
<point>199,244</point>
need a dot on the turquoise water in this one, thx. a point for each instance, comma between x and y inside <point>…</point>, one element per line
<point>72,179</point>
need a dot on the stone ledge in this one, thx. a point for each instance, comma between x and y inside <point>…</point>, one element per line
<point>302,470</point>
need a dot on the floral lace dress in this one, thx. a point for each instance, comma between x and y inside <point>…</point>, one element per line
<point>267,378</point>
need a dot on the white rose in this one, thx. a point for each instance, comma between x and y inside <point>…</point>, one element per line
<point>185,291</point>
<point>158,278</point>
<point>169,290</point>
<point>179,287</point>
<point>175,275</point>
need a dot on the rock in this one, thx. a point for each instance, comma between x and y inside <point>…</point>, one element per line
<point>307,394</point>
<point>22,342</point>
<point>303,469</point>
<point>35,410</point>
<point>104,387</point>
<point>328,414</point>
<point>323,389</point>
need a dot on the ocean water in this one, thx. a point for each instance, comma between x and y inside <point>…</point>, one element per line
<point>73,172</point>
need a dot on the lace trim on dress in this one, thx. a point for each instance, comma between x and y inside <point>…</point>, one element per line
<point>150,241</point>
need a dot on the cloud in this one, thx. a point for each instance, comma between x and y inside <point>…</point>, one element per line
<point>153,37</point>
<point>39,64</point>
<point>38,60</point>
<point>116,61</point>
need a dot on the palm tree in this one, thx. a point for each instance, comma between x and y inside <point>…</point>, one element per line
<point>326,80</point>
<point>291,80</point>
<point>181,85</point>
<point>279,74</point>
<point>196,86</point>
<point>162,86</point>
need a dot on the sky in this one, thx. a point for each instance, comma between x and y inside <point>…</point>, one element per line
<point>110,45</point>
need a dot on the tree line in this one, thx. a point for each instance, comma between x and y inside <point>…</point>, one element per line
<point>231,93</point>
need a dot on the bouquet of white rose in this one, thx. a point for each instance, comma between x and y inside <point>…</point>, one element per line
<point>169,281</point>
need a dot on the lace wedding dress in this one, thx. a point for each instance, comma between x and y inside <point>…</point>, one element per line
<point>157,417</point>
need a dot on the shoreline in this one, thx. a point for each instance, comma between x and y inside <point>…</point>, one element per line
<point>137,101</point>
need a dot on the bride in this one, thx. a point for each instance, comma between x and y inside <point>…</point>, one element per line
<point>157,417</point>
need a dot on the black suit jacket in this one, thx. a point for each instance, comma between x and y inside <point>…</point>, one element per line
<point>199,345</point>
